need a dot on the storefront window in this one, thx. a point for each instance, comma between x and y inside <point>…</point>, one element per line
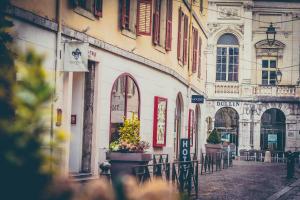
<point>227,124</point>
<point>125,101</point>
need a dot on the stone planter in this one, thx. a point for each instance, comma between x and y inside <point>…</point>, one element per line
<point>123,163</point>
<point>213,148</point>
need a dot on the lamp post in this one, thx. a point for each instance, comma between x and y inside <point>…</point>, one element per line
<point>271,33</point>
<point>278,76</point>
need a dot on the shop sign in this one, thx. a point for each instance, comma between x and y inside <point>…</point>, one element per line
<point>197,99</point>
<point>225,137</point>
<point>228,103</point>
<point>184,154</point>
<point>76,57</point>
<point>272,137</point>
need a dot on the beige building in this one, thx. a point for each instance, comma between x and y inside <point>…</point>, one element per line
<point>109,59</point>
<point>253,91</point>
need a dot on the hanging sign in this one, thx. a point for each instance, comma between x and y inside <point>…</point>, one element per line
<point>76,57</point>
<point>184,154</point>
<point>197,99</point>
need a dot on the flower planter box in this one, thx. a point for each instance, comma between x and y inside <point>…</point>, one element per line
<point>123,163</point>
<point>213,148</point>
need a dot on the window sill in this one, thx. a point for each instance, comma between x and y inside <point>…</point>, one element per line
<point>160,49</point>
<point>85,13</point>
<point>129,34</point>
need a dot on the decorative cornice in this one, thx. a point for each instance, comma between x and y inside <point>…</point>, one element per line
<point>264,44</point>
<point>68,32</point>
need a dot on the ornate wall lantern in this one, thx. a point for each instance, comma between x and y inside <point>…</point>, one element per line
<point>271,32</point>
<point>278,76</point>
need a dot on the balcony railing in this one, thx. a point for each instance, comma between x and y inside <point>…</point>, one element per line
<point>227,89</point>
<point>280,90</point>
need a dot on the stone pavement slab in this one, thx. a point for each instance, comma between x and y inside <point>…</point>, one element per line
<point>244,181</point>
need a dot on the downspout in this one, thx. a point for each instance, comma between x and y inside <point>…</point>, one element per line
<point>57,59</point>
<point>189,60</point>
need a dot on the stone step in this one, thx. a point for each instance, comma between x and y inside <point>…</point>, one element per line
<point>83,177</point>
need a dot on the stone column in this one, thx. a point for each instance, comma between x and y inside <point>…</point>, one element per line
<point>88,118</point>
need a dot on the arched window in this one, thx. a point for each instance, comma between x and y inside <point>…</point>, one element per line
<point>125,101</point>
<point>227,58</point>
<point>178,121</point>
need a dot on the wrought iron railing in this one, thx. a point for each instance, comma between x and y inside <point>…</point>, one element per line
<point>215,162</point>
<point>259,156</point>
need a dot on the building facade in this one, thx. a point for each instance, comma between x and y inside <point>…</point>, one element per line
<point>253,88</point>
<point>141,55</point>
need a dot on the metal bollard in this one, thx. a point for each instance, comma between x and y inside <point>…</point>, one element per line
<point>290,165</point>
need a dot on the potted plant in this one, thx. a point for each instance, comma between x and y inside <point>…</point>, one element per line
<point>213,142</point>
<point>128,150</point>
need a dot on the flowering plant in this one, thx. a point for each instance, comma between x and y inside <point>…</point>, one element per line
<point>129,140</point>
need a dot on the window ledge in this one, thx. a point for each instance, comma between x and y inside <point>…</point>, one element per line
<point>129,34</point>
<point>160,49</point>
<point>85,13</point>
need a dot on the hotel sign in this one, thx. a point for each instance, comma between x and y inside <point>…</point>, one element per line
<point>228,103</point>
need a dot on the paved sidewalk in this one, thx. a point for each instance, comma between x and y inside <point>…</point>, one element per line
<point>290,192</point>
<point>245,181</point>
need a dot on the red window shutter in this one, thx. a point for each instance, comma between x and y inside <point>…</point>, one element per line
<point>192,128</point>
<point>156,24</point>
<point>144,13</point>
<point>191,125</point>
<point>195,50</point>
<point>185,39</point>
<point>179,36</point>
<point>98,8</point>
<point>199,58</point>
<point>169,25</point>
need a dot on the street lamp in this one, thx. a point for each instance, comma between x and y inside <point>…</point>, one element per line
<point>271,32</point>
<point>278,76</point>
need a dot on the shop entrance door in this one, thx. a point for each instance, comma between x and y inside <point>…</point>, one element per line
<point>273,130</point>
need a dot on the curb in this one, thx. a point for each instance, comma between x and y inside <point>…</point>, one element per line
<point>283,191</point>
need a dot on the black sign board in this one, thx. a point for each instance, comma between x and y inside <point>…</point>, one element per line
<point>197,99</point>
<point>184,154</point>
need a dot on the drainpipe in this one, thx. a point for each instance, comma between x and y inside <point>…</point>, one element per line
<point>57,59</point>
<point>189,57</point>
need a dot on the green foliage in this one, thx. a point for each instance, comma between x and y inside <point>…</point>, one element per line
<point>129,132</point>
<point>22,128</point>
<point>130,140</point>
<point>214,137</point>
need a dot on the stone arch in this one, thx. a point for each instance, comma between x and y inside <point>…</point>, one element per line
<point>225,30</point>
<point>280,106</point>
<point>227,123</point>
<point>178,122</point>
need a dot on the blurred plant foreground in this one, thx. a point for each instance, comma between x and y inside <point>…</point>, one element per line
<point>26,170</point>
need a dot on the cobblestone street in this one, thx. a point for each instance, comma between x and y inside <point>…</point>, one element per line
<point>245,180</point>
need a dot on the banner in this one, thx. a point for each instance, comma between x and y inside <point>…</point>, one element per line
<point>76,57</point>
